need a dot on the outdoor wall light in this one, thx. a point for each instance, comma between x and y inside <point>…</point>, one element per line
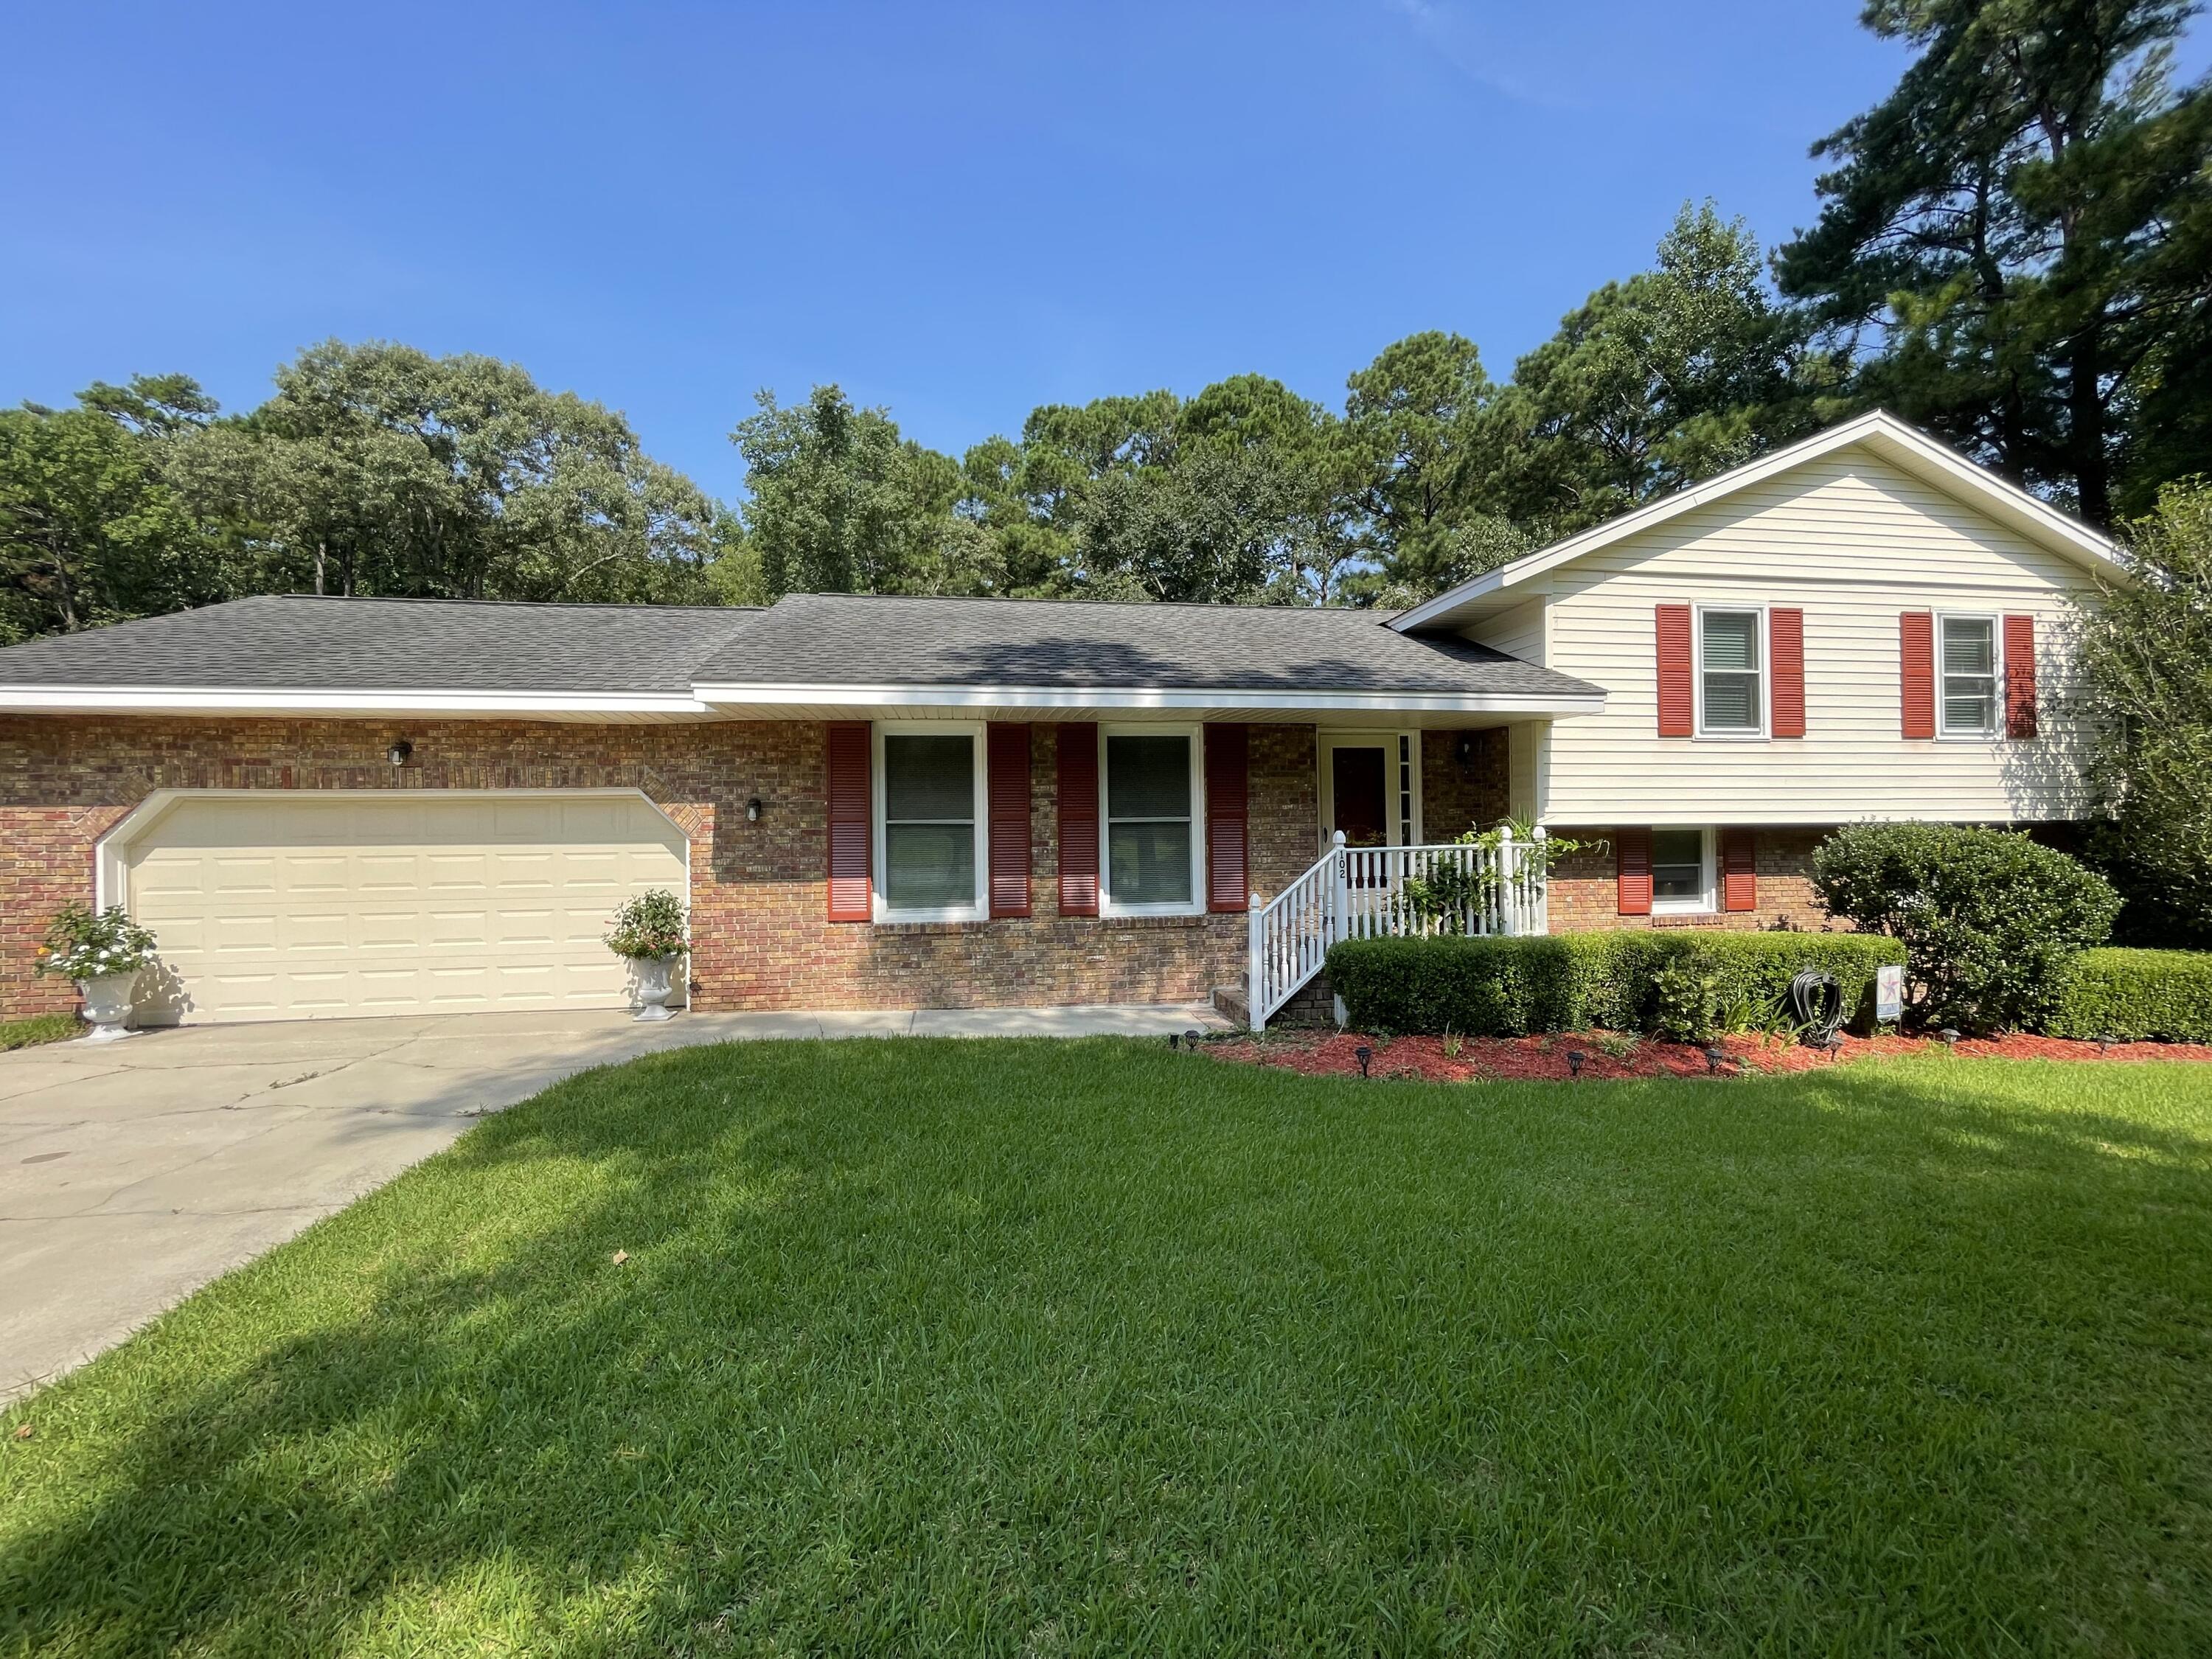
<point>753,810</point>
<point>399,751</point>
<point>1463,752</point>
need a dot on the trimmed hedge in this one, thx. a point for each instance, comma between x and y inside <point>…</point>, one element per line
<point>2137,996</point>
<point>1497,986</point>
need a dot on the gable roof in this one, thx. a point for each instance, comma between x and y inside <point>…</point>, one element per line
<point>839,646</point>
<point>1882,435</point>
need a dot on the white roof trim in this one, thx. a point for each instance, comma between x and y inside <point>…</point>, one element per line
<point>254,699</point>
<point>1037,696</point>
<point>2006,501</point>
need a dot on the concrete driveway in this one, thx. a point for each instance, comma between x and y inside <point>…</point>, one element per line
<point>132,1173</point>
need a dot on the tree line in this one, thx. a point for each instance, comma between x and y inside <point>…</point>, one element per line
<point>2013,249</point>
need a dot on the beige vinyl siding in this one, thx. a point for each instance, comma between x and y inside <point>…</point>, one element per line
<point>1519,632</point>
<point>309,905</point>
<point>1853,541</point>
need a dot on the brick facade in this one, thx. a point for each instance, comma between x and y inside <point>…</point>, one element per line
<point>1456,797</point>
<point>762,940</point>
<point>761,936</point>
<point>1582,897</point>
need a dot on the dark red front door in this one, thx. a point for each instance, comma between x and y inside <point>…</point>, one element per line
<point>1360,803</point>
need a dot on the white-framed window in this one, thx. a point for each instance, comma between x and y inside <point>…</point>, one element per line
<point>930,819</point>
<point>1682,870</point>
<point>1409,787</point>
<point>1731,677</point>
<point>1152,812</point>
<point>1969,662</point>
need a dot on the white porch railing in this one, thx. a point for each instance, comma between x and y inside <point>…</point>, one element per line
<point>1362,893</point>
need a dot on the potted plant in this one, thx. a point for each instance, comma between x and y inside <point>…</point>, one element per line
<point>103,953</point>
<point>650,931</point>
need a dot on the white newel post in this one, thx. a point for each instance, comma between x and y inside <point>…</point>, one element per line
<point>1339,892</point>
<point>1540,902</point>
<point>1255,954</point>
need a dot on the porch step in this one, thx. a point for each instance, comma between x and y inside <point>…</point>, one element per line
<point>1234,1003</point>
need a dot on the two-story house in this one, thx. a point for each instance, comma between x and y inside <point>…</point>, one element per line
<point>328,807</point>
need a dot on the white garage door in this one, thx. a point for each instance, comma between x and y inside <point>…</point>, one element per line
<point>304,906</point>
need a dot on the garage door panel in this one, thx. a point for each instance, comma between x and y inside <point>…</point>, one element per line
<point>295,906</point>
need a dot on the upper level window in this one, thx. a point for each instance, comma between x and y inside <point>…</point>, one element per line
<point>1681,870</point>
<point>1151,831</point>
<point>1969,669</point>
<point>1730,699</point>
<point>929,824</point>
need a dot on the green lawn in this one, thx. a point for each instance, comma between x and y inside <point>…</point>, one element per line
<point>1035,1348</point>
<point>40,1028</point>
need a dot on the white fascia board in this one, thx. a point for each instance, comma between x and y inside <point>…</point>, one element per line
<point>1906,445</point>
<point>1030,696</point>
<point>88,699</point>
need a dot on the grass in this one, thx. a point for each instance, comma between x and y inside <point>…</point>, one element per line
<point>39,1028</point>
<point>1027,1348</point>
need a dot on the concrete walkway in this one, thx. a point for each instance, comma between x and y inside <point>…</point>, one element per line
<point>132,1173</point>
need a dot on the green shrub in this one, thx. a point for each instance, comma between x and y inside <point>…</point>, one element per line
<point>1493,987</point>
<point>1686,1000</point>
<point>1989,920</point>
<point>2137,996</point>
<point>652,925</point>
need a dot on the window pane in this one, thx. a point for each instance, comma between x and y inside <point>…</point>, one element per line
<point>1147,778</point>
<point>1969,705</point>
<point>1148,863</point>
<point>1732,639</point>
<point>1678,864</point>
<point>1969,646</point>
<point>929,778</point>
<point>1731,702</point>
<point>931,866</point>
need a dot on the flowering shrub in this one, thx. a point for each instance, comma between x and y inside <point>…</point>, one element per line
<point>81,944</point>
<point>651,924</point>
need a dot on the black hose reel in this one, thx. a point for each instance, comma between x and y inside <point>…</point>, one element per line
<point>1817,1000</point>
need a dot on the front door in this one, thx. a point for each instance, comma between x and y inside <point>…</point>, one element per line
<point>1359,796</point>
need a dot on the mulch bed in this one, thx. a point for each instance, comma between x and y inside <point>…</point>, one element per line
<point>1615,1055</point>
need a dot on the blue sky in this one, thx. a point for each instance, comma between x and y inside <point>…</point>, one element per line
<point>958,211</point>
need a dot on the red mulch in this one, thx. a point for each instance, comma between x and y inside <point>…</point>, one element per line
<point>1608,1054</point>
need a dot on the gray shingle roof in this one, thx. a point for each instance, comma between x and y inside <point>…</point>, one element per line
<point>301,643</point>
<point>826,638</point>
<point>297,642</point>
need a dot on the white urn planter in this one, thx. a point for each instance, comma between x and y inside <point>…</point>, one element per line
<point>107,1005</point>
<point>653,987</point>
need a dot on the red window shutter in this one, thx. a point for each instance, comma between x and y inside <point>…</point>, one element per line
<point>1228,756</point>
<point>2020,676</point>
<point>1008,748</point>
<point>1676,707</point>
<point>1916,642</point>
<point>1631,851</point>
<point>1078,819</point>
<point>851,834</point>
<point>1739,870</point>
<point>1786,650</point>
